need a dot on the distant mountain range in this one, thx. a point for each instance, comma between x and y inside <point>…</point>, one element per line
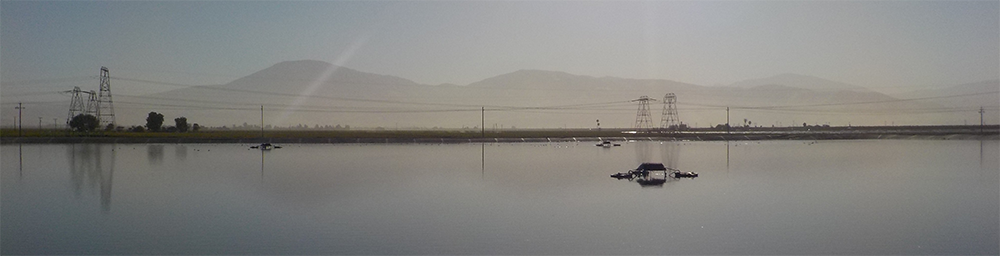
<point>315,92</point>
<point>799,81</point>
<point>983,99</point>
<point>319,93</point>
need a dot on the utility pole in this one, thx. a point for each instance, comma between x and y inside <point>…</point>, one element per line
<point>19,120</point>
<point>261,121</point>
<point>39,123</point>
<point>981,112</point>
<point>727,119</point>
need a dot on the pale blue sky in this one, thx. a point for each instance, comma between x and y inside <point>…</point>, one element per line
<point>868,43</point>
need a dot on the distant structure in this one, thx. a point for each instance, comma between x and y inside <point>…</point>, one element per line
<point>669,119</point>
<point>76,103</point>
<point>99,104</point>
<point>643,121</point>
<point>93,107</point>
<point>105,106</point>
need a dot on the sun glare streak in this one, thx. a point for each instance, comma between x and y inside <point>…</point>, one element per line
<point>321,79</point>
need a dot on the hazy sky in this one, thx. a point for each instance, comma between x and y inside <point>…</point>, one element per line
<point>868,43</point>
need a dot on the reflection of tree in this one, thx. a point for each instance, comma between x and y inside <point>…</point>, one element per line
<point>87,165</point>
<point>180,151</point>
<point>20,162</point>
<point>644,152</point>
<point>155,154</point>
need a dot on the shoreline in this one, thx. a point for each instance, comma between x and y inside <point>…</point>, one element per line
<point>505,139</point>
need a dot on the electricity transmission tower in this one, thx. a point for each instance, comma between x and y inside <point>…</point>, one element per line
<point>105,107</point>
<point>76,104</point>
<point>642,119</point>
<point>669,118</point>
<point>93,106</point>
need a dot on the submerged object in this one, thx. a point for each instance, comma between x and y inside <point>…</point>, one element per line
<point>265,146</point>
<point>607,144</point>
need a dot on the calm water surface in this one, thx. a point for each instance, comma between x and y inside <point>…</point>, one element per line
<point>773,197</point>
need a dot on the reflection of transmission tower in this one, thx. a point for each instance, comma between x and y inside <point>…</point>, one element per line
<point>642,119</point>
<point>669,118</point>
<point>105,107</point>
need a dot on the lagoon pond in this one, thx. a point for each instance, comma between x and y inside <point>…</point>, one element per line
<point>751,197</point>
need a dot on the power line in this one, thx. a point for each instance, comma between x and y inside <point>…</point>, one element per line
<point>489,107</point>
<point>175,106</point>
<point>499,106</point>
<point>48,81</point>
<point>874,102</point>
<point>300,95</point>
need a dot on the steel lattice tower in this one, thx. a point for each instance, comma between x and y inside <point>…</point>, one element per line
<point>93,106</point>
<point>105,107</point>
<point>669,118</point>
<point>76,104</point>
<point>643,121</point>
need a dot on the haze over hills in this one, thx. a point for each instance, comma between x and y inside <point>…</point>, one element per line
<point>800,81</point>
<point>318,93</point>
<point>292,74</point>
<point>985,100</point>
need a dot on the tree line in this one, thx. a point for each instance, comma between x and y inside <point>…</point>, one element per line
<point>154,123</point>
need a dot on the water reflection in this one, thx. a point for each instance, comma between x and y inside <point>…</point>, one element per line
<point>155,154</point>
<point>654,179</point>
<point>644,152</point>
<point>180,151</point>
<point>669,152</point>
<point>20,162</point>
<point>669,156</point>
<point>483,161</point>
<point>87,165</point>
<point>262,152</point>
<point>362,198</point>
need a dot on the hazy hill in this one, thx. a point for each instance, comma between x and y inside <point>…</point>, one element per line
<point>294,75</point>
<point>983,88</point>
<point>314,92</point>
<point>800,81</point>
<point>542,79</point>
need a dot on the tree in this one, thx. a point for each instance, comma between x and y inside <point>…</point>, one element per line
<point>195,127</point>
<point>181,123</point>
<point>83,123</point>
<point>154,121</point>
